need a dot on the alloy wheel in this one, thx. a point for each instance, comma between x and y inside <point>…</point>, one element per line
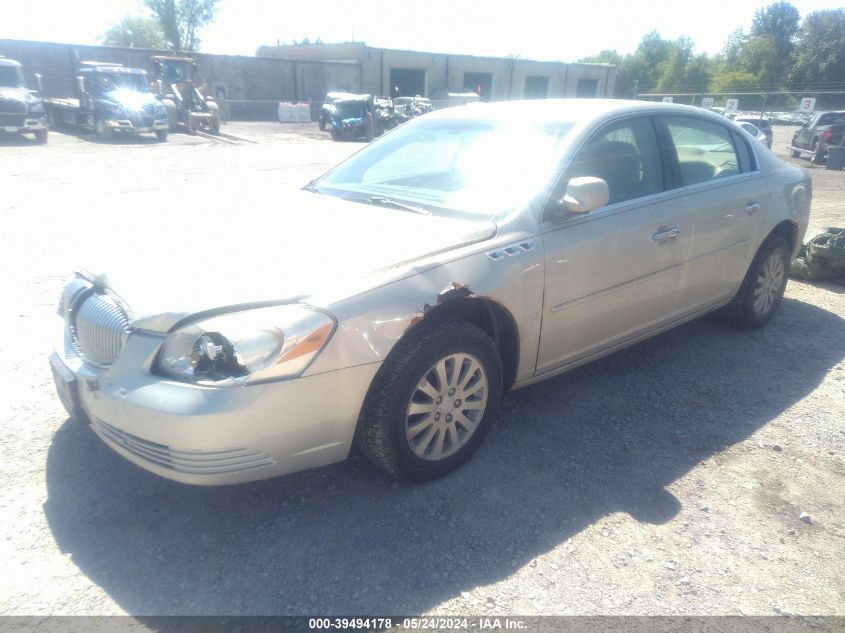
<point>446,407</point>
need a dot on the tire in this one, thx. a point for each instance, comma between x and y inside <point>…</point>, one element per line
<point>369,132</point>
<point>214,123</point>
<point>104,133</point>
<point>818,153</point>
<point>444,439</point>
<point>750,309</point>
<point>322,124</point>
<point>794,144</point>
<point>335,135</point>
<point>172,114</point>
<point>161,135</point>
<point>41,136</point>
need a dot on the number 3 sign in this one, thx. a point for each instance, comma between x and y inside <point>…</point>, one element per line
<point>808,104</point>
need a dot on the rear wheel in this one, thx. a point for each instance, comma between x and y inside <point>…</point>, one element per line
<point>104,133</point>
<point>41,136</point>
<point>762,289</point>
<point>161,135</point>
<point>818,152</point>
<point>432,401</point>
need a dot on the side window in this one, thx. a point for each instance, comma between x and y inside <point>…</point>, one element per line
<point>746,158</point>
<point>705,150</point>
<point>626,156</point>
<point>826,119</point>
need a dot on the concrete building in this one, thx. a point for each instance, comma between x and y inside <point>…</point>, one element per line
<point>249,88</point>
<point>409,73</point>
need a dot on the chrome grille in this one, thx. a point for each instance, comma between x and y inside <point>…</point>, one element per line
<point>99,329</point>
<point>11,120</point>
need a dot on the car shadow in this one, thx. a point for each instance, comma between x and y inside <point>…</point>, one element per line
<point>608,437</point>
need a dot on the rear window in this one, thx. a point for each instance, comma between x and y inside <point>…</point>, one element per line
<point>705,150</point>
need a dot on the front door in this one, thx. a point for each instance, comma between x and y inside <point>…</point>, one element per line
<point>612,273</point>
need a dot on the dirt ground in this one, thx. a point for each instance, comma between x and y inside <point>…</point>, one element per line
<point>666,479</point>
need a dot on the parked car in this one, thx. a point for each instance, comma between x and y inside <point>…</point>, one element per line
<point>469,252</point>
<point>761,124</point>
<point>352,117</point>
<point>21,109</point>
<point>810,137</point>
<point>754,131</point>
<point>328,107</point>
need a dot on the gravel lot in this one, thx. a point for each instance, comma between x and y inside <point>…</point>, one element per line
<point>666,479</point>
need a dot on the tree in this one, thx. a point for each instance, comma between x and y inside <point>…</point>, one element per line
<point>820,49</point>
<point>134,32</point>
<point>770,49</point>
<point>181,20</point>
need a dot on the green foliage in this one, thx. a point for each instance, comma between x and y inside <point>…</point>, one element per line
<point>134,32</point>
<point>820,49</point>
<point>181,20</point>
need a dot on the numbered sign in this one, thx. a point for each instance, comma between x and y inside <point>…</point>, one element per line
<point>808,104</point>
<point>707,102</point>
<point>732,104</point>
<point>667,99</point>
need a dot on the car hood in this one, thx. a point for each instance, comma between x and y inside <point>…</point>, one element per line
<point>307,247</point>
<point>13,94</point>
<point>130,99</point>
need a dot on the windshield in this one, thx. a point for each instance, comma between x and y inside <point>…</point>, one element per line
<point>103,82</point>
<point>11,77</point>
<point>479,168</point>
<point>349,109</point>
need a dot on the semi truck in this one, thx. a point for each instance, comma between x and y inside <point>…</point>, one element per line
<point>110,99</point>
<point>21,109</point>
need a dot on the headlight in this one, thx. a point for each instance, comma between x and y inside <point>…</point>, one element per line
<point>252,345</point>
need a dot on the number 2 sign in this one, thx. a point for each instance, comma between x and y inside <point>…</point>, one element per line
<point>808,104</point>
<point>732,104</point>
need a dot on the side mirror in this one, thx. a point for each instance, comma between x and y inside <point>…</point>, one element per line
<point>38,82</point>
<point>585,194</point>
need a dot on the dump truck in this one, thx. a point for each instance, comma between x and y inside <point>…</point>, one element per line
<point>110,99</point>
<point>185,104</point>
<point>21,109</point>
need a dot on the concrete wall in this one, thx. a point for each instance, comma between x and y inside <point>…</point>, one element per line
<point>446,72</point>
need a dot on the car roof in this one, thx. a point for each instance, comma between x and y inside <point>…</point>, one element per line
<point>5,61</point>
<point>566,110</point>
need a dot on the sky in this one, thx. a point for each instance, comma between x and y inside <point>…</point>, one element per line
<point>531,29</point>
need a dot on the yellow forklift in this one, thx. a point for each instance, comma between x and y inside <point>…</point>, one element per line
<point>186,106</point>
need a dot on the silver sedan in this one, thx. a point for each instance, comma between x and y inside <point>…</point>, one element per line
<point>391,302</point>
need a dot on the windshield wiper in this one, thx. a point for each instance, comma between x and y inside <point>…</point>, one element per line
<point>384,201</point>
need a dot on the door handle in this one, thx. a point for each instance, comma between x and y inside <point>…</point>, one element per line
<point>751,207</point>
<point>665,234</point>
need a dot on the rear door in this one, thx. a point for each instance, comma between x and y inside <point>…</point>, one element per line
<point>722,191</point>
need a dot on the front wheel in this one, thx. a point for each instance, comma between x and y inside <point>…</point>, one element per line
<point>432,401</point>
<point>795,154</point>
<point>762,289</point>
<point>161,135</point>
<point>41,136</point>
